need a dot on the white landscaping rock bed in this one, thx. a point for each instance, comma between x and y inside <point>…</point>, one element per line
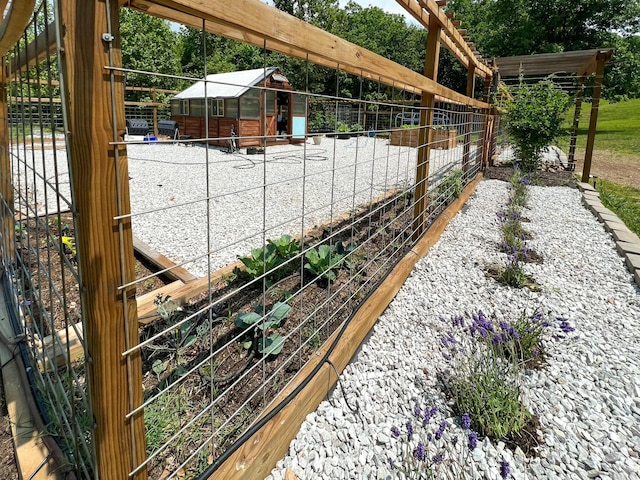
<point>587,396</point>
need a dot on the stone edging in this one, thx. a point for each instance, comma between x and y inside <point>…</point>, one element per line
<point>627,242</point>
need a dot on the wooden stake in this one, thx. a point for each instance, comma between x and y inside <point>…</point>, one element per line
<point>99,177</point>
<point>593,120</point>
<point>426,119</point>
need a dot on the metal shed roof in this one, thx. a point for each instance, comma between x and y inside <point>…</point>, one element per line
<point>580,62</point>
<point>226,85</point>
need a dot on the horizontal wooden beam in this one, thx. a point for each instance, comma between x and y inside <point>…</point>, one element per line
<point>252,21</point>
<point>422,17</point>
<point>39,49</point>
<point>161,262</point>
<point>447,26</point>
<point>14,22</point>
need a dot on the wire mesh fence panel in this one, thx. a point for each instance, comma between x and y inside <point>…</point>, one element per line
<point>287,235</point>
<point>42,246</point>
<point>261,222</point>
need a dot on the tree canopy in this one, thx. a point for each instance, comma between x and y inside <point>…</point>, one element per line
<point>498,28</point>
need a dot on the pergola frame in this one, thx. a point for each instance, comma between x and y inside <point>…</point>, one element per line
<point>582,64</point>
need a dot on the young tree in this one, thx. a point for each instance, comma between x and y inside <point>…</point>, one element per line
<point>534,120</point>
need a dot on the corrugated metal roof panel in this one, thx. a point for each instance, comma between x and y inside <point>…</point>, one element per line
<point>225,85</point>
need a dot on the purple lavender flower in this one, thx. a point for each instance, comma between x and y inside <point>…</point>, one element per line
<point>466,421</point>
<point>441,429</point>
<point>438,458</point>
<point>564,325</point>
<point>416,410</point>
<point>395,431</point>
<point>473,440</point>
<point>409,429</point>
<point>497,339</point>
<point>419,452</point>
<point>504,469</point>
<point>458,321</point>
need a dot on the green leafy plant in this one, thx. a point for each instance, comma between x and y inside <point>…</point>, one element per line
<point>343,128</point>
<point>266,341</point>
<point>450,187</point>
<point>286,247</point>
<point>534,120</point>
<point>261,260</point>
<point>323,262</point>
<point>356,127</point>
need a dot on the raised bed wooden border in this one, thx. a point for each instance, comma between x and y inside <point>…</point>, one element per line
<point>259,454</point>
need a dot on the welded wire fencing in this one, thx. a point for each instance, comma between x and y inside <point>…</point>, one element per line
<point>39,241</point>
<point>259,226</point>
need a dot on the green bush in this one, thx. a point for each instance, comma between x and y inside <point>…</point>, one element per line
<point>534,120</point>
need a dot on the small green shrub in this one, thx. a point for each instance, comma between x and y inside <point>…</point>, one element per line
<point>450,188</point>
<point>262,260</point>
<point>534,120</point>
<point>286,247</point>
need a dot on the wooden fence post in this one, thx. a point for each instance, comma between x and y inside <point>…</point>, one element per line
<point>6,182</point>
<point>426,120</point>
<point>99,179</point>
<point>593,120</point>
<point>571,164</point>
<point>471,86</point>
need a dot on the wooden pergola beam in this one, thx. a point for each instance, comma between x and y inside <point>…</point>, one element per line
<point>252,21</point>
<point>14,22</point>
<point>571,157</point>
<point>422,17</point>
<point>432,59</point>
<point>433,9</point>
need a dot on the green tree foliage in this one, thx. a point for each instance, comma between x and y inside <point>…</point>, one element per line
<point>534,120</point>
<point>149,44</point>
<point>521,27</point>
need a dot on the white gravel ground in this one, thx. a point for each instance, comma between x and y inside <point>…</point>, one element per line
<point>587,396</point>
<point>292,189</point>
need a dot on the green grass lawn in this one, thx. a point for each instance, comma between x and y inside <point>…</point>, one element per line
<point>623,201</point>
<point>618,127</point>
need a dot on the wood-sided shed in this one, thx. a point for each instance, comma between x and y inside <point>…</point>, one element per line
<point>259,105</point>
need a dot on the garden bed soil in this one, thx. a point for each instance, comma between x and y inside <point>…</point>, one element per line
<point>59,270</point>
<point>318,309</point>
<point>541,177</point>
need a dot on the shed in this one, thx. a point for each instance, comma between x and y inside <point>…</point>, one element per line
<point>246,101</point>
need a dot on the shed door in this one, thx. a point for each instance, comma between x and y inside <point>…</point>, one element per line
<point>270,110</point>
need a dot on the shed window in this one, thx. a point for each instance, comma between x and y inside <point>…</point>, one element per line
<point>299,104</point>
<point>175,107</point>
<point>270,102</point>
<point>231,108</point>
<point>197,107</point>
<point>250,104</point>
<point>216,107</point>
<point>184,107</point>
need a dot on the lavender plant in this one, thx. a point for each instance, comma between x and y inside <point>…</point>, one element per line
<point>484,385</point>
<point>431,449</point>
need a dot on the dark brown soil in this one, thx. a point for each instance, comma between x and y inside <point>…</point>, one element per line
<point>37,240</point>
<point>318,309</point>
<point>546,178</point>
<point>8,467</point>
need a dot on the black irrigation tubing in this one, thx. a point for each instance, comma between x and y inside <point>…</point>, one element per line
<point>273,412</point>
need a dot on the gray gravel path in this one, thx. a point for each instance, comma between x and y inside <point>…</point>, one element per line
<point>587,397</point>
